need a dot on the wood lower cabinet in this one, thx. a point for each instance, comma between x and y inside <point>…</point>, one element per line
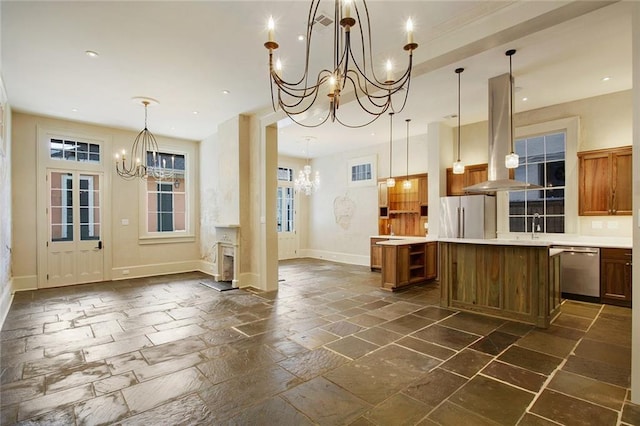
<point>376,254</point>
<point>405,264</point>
<point>615,276</point>
<point>605,182</point>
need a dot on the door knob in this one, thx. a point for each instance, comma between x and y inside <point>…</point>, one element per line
<point>99,245</point>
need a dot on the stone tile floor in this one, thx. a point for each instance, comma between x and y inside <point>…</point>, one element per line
<point>328,348</point>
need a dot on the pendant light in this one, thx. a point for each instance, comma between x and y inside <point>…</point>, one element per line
<point>511,160</point>
<point>407,183</point>
<point>458,166</point>
<point>391,182</point>
<point>145,161</point>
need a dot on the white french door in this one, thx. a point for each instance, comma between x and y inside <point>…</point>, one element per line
<point>74,214</point>
<point>286,217</point>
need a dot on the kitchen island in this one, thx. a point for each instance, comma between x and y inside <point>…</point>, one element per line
<point>511,279</point>
<point>407,261</point>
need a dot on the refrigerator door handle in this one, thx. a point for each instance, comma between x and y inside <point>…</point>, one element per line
<point>463,222</point>
<point>457,222</point>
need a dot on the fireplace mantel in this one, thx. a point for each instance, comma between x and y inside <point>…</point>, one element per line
<point>227,249</point>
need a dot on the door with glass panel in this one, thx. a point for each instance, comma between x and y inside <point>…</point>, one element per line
<point>74,246</point>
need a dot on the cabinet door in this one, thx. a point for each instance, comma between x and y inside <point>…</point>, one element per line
<point>594,192</point>
<point>432,260</point>
<point>383,194</point>
<point>423,190</point>
<point>615,276</point>
<point>455,183</point>
<point>376,254</point>
<point>476,174</point>
<point>621,173</point>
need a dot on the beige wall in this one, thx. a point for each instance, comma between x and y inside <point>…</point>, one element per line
<point>605,122</point>
<point>5,212</point>
<point>126,250</point>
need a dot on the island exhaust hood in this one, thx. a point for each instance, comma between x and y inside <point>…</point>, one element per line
<point>499,141</point>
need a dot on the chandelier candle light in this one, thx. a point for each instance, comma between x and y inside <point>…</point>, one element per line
<point>407,183</point>
<point>511,160</point>
<point>303,182</point>
<point>391,182</point>
<point>145,159</point>
<point>349,70</point>
<point>458,166</point>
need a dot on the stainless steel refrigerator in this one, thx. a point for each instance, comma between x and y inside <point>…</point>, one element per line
<point>468,216</point>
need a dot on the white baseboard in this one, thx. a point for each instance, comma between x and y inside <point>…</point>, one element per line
<point>206,267</point>
<point>352,259</point>
<point>249,279</point>
<point>24,283</point>
<point>6,298</point>
<point>141,271</point>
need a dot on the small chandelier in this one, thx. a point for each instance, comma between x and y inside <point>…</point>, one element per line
<point>145,159</point>
<point>391,182</point>
<point>511,160</point>
<point>458,166</point>
<point>373,94</point>
<point>303,182</point>
<point>407,183</point>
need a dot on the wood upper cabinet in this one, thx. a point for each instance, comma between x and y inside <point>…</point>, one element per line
<point>403,210</point>
<point>615,276</point>
<point>473,174</point>
<point>605,180</point>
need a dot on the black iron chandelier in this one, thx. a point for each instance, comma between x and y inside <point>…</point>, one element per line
<point>145,161</point>
<point>348,71</point>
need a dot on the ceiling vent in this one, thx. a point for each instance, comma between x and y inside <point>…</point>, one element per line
<point>323,19</point>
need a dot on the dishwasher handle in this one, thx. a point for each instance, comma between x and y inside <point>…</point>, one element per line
<point>581,250</point>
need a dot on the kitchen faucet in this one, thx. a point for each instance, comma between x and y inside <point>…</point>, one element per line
<point>391,230</point>
<point>535,225</point>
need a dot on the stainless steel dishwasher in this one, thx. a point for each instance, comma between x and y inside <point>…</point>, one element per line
<point>580,277</point>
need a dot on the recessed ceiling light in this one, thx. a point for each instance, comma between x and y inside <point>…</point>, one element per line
<point>91,53</point>
<point>606,78</point>
<point>74,109</point>
<point>195,113</point>
<point>225,92</point>
<point>525,99</point>
<point>373,133</point>
<point>300,37</point>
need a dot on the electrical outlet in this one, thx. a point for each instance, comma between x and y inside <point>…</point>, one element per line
<point>125,272</point>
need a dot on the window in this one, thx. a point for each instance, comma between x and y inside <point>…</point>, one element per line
<point>362,171</point>
<point>285,174</point>
<point>62,149</point>
<point>542,162</point>
<point>167,197</point>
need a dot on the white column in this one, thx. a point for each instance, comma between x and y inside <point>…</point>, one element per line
<point>440,143</point>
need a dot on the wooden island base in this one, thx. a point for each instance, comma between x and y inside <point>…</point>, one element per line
<point>514,282</point>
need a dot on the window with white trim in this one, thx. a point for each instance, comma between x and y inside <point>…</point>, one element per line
<point>362,171</point>
<point>167,207</point>
<point>542,162</point>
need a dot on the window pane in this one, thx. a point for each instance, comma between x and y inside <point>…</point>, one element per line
<point>516,203</point>
<point>555,201</point>
<point>535,174</point>
<point>555,146</point>
<point>555,174</point>
<point>555,224</point>
<point>516,224</point>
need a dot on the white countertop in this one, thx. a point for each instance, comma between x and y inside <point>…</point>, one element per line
<point>522,240</point>
<point>574,241</point>
<point>406,240</point>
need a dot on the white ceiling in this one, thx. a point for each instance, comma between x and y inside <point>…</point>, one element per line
<point>184,54</point>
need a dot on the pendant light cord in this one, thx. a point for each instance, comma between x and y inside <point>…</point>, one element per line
<point>390,142</point>
<point>459,71</point>
<point>510,53</point>
<point>407,120</point>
